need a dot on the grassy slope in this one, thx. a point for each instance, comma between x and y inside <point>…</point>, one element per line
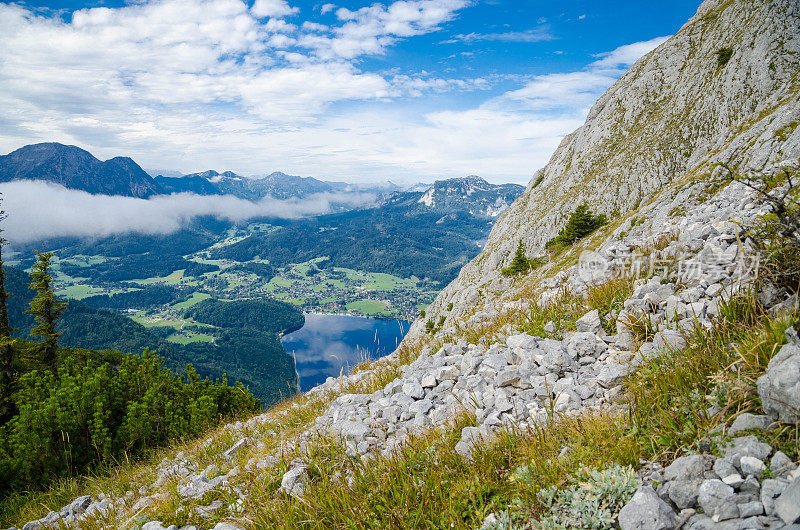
<point>428,485</point>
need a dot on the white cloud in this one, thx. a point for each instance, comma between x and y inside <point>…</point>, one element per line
<point>578,90</point>
<point>539,34</point>
<point>625,56</point>
<point>371,29</point>
<point>38,210</point>
<point>273,8</point>
<point>208,83</point>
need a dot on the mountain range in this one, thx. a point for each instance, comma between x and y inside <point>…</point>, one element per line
<point>76,168</point>
<point>277,185</point>
<point>622,381</point>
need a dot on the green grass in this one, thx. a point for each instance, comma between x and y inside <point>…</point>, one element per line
<point>280,282</point>
<point>670,393</point>
<point>172,279</point>
<point>188,337</point>
<point>368,307</point>
<point>196,298</point>
<point>78,291</point>
<point>387,282</point>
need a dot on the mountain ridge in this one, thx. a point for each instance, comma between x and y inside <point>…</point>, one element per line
<point>76,168</point>
<point>676,113</point>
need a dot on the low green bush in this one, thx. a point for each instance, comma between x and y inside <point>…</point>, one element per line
<point>724,55</point>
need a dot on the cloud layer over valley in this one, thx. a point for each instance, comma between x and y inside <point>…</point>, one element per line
<point>38,211</point>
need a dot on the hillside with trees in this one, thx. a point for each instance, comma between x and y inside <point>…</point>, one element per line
<point>254,358</point>
<point>64,411</point>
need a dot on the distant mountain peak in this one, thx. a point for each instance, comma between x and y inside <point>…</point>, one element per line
<point>473,193</point>
<point>75,168</point>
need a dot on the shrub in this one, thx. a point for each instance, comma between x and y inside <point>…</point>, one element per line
<point>777,234</point>
<point>539,180</point>
<point>592,500</point>
<point>100,407</point>
<point>724,55</point>
<point>580,224</point>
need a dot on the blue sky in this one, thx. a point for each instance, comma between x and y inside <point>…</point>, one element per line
<point>407,90</point>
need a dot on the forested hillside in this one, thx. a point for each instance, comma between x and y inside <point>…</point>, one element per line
<point>64,411</point>
<point>254,358</point>
<point>264,315</point>
<point>403,237</point>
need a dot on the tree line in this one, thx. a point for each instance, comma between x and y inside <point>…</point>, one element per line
<point>64,411</point>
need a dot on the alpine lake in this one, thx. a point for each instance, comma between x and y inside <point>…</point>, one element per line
<point>329,345</point>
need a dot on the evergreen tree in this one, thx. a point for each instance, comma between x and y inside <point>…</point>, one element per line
<point>5,328</point>
<point>581,223</point>
<point>521,263</point>
<point>6,352</point>
<point>45,308</point>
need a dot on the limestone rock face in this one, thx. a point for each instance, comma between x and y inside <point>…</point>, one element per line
<point>676,112</point>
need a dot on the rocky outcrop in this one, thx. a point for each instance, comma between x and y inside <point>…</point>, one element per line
<point>674,114</point>
<point>731,491</point>
<point>779,387</point>
<point>516,380</point>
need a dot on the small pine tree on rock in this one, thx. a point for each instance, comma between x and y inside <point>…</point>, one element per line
<point>45,308</point>
<point>521,264</point>
<point>581,223</point>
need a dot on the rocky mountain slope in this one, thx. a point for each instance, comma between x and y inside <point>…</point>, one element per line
<point>472,194</point>
<point>678,111</point>
<point>513,382</point>
<point>75,168</point>
<point>636,380</point>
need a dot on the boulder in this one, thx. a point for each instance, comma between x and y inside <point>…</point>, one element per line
<point>612,374</point>
<point>353,429</point>
<point>293,481</point>
<point>646,511</point>
<point>779,387</point>
<point>590,322</point>
<point>781,465</point>
<point>747,421</point>
<point>523,340</point>
<point>745,446</point>
<point>469,437</point>
<point>669,340</point>
<point>235,448</point>
<point>154,525</point>
<point>718,500</point>
<point>787,505</point>
<point>583,344</point>
<point>413,390</point>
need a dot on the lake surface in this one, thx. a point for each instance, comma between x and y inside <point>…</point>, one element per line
<point>328,345</point>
